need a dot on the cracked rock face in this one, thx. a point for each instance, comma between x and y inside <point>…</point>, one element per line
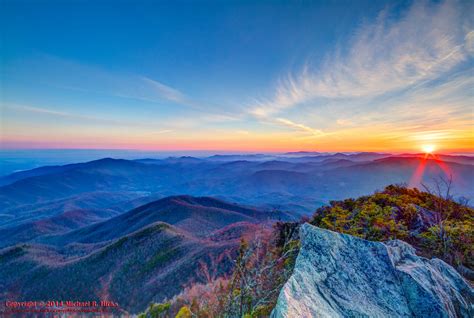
<point>338,275</point>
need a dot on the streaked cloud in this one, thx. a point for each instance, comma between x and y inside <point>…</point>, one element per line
<point>161,132</point>
<point>71,75</point>
<point>300,127</point>
<point>165,91</point>
<point>93,81</point>
<point>387,56</point>
<point>399,81</point>
<point>77,117</point>
<point>149,127</point>
<point>55,113</point>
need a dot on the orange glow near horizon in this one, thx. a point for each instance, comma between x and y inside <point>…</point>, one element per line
<point>248,144</point>
<point>377,139</point>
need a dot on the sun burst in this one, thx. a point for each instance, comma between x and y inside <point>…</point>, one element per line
<point>428,149</point>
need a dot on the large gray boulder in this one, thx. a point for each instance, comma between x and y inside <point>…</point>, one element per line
<point>338,275</point>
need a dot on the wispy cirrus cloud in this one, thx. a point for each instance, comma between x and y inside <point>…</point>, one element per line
<point>52,72</point>
<point>151,125</point>
<point>163,131</point>
<point>78,117</point>
<point>55,113</point>
<point>165,91</point>
<point>300,127</point>
<point>71,75</point>
<point>388,56</point>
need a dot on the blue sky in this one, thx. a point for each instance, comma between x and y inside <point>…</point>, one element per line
<point>329,75</point>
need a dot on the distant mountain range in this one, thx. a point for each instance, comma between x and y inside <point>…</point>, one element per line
<point>292,183</point>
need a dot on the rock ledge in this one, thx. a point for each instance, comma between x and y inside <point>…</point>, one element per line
<point>338,275</point>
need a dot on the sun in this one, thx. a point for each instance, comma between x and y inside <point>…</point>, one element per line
<point>428,149</point>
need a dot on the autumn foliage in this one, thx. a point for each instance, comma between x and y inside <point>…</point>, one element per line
<point>264,262</point>
<point>434,224</point>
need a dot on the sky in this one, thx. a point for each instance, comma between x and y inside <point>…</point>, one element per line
<point>237,75</point>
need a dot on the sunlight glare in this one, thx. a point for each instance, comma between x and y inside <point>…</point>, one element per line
<point>428,148</point>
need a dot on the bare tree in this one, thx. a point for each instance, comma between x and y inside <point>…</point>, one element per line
<point>441,194</point>
<point>442,187</point>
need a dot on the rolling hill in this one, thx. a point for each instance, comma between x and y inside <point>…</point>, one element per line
<point>199,216</point>
<point>100,200</point>
<point>61,223</point>
<point>148,253</point>
<point>152,263</point>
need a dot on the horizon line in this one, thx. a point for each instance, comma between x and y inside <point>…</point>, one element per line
<point>236,151</point>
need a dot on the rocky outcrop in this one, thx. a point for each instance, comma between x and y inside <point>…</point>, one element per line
<point>338,275</point>
<point>424,219</point>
